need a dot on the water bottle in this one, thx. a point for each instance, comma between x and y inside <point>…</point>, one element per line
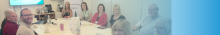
<point>49,23</point>
<point>78,28</point>
<point>75,14</point>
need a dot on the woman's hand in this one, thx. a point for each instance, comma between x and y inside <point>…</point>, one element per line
<point>133,28</point>
<point>109,26</point>
<point>66,17</point>
<point>82,17</point>
<point>61,17</point>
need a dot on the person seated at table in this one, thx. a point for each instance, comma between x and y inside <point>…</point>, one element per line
<point>100,17</point>
<point>121,27</point>
<point>66,12</point>
<point>146,25</point>
<point>116,15</point>
<point>86,15</point>
<point>4,21</point>
<point>11,25</point>
<point>25,26</point>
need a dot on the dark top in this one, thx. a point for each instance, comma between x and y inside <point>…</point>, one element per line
<point>66,14</point>
<point>97,18</point>
<point>35,33</point>
<point>112,21</point>
<point>10,28</point>
<point>3,24</point>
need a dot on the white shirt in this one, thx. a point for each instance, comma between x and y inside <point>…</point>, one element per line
<point>147,24</point>
<point>25,29</point>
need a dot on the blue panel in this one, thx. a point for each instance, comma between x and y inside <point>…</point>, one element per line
<point>41,2</point>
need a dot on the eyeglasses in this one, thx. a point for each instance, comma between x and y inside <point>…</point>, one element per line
<point>28,15</point>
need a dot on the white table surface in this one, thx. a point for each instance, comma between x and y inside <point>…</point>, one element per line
<point>84,29</point>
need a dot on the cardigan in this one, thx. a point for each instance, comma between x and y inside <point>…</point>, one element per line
<point>10,28</point>
<point>102,19</point>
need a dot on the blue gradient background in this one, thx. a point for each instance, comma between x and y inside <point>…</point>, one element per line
<point>195,17</point>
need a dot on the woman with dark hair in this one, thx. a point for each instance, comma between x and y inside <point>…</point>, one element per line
<point>100,17</point>
<point>66,12</point>
<point>86,14</point>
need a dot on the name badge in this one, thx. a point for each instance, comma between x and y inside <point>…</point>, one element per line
<point>96,22</point>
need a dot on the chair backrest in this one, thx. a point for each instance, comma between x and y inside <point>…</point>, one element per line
<point>1,33</point>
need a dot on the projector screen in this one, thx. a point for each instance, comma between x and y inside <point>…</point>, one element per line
<point>26,2</point>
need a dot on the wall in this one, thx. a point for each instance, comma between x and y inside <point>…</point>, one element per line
<point>5,5</point>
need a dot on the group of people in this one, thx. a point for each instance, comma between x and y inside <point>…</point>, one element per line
<point>152,25</point>
<point>99,17</point>
<point>10,24</point>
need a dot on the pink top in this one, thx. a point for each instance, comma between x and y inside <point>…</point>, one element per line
<point>102,19</point>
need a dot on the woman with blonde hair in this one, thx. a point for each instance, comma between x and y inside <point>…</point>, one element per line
<point>66,12</point>
<point>121,27</point>
<point>116,15</point>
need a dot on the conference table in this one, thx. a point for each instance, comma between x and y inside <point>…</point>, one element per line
<point>86,28</point>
